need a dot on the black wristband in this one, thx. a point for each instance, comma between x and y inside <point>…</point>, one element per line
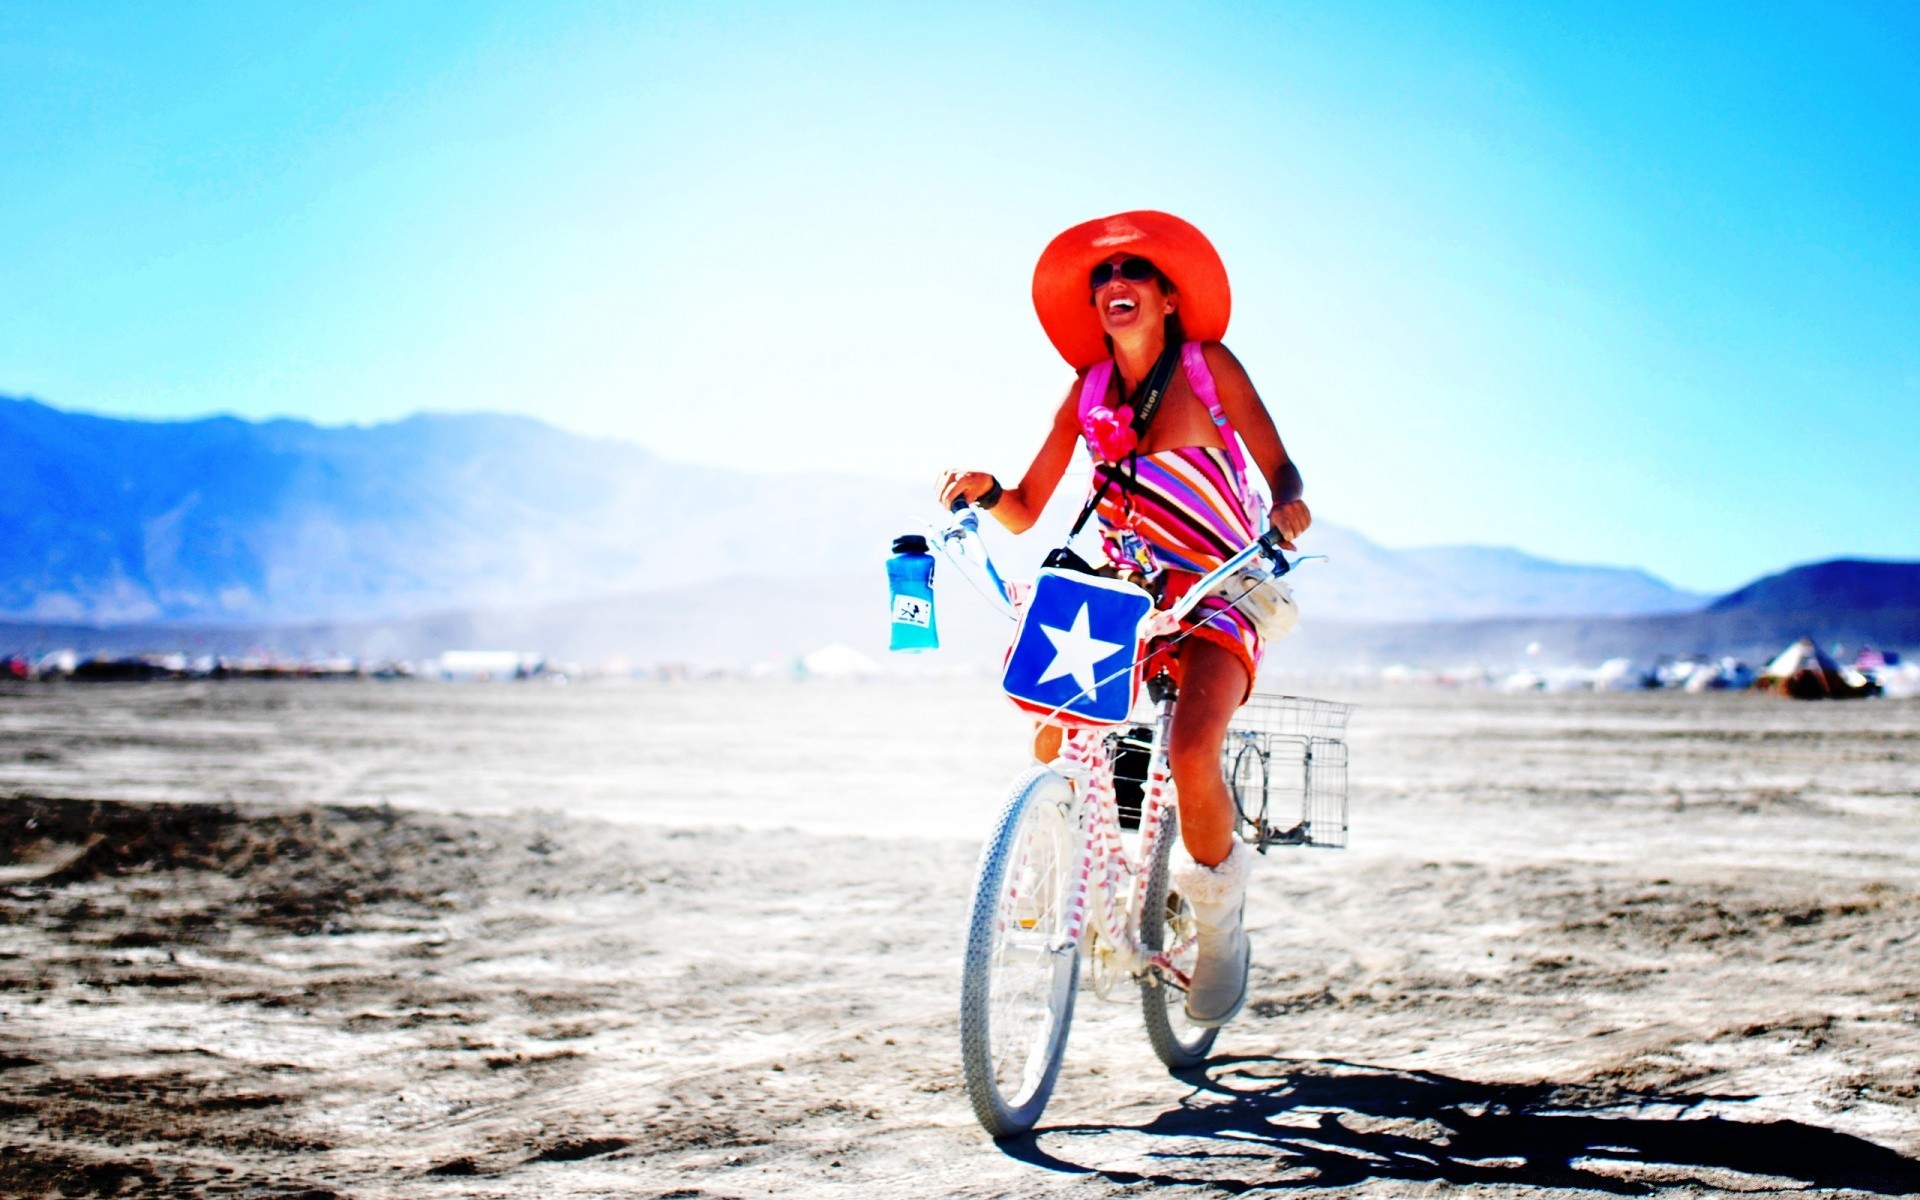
<point>992,495</point>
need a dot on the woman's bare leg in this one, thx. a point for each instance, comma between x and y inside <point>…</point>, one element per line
<point>1213,683</point>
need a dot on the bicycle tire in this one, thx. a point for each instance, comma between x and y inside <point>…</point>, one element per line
<point>1179,1043</point>
<point>1248,779</point>
<point>1011,967</point>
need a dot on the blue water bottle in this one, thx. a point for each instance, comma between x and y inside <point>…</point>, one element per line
<point>910,582</point>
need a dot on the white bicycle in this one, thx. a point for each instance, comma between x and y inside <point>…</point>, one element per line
<point>1077,865</point>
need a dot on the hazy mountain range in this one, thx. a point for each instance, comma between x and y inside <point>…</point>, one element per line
<point>226,520</point>
<point>229,520</point>
<point>740,621</point>
<point>1846,602</point>
<point>436,531</point>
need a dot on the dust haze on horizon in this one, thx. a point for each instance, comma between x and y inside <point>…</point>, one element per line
<point>1631,288</point>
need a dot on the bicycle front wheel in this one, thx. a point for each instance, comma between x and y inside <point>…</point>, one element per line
<point>1166,923</point>
<point>1017,989</point>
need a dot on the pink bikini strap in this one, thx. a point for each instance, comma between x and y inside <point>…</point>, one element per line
<point>1093,390</point>
<point>1193,358</point>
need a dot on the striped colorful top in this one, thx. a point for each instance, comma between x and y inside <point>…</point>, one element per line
<point>1184,516</point>
<point>1182,510</point>
<point>1183,504</point>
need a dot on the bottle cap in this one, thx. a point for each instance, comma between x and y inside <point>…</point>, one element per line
<point>910,543</point>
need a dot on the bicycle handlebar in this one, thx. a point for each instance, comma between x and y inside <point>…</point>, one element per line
<point>1266,546</point>
<point>970,552</point>
<point>959,540</point>
<point>1271,539</point>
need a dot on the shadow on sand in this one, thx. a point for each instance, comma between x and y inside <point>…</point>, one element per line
<point>1258,1122</point>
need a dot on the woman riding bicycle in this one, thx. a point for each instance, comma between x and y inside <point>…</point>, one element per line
<point>1137,303</point>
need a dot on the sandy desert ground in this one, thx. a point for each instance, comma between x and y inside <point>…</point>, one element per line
<point>417,940</point>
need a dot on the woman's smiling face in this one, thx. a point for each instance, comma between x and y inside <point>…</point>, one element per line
<point>1126,304</point>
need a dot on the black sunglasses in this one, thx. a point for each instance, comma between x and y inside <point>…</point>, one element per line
<point>1133,270</point>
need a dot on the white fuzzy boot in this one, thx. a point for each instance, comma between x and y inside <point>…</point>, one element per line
<point>1218,894</point>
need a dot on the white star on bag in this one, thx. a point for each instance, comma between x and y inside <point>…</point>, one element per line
<point>1076,651</point>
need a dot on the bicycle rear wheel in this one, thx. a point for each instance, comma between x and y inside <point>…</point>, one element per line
<point>1017,987</point>
<point>1167,921</point>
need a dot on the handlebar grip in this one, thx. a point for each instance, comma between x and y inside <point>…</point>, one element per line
<point>959,504</point>
<point>1270,542</point>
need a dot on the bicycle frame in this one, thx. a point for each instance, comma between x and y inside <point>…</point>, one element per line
<point>1109,884</point>
<point>1109,889</point>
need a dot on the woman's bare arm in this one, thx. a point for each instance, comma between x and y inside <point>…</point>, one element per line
<point>1021,505</point>
<point>1250,419</point>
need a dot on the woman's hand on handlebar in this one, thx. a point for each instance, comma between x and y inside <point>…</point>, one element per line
<point>963,485</point>
<point>1291,519</point>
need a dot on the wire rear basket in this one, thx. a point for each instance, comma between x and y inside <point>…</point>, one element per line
<point>1285,760</point>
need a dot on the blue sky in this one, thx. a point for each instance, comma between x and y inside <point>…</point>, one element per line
<point>1611,283</point>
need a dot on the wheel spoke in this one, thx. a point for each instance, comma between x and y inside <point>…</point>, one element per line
<point>1017,990</point>
<point>1169,931</point>
<point>1026,962</point>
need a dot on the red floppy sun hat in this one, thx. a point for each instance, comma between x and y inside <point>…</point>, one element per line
<point>1064,301</point>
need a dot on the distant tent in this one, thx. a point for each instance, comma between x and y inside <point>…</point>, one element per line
<point>838,661</point>
<point>1805,672</point>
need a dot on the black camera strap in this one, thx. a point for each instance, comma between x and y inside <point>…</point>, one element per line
<point>1145,403</point>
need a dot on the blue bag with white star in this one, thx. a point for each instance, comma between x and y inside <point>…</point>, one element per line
<point>1074,658</point>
